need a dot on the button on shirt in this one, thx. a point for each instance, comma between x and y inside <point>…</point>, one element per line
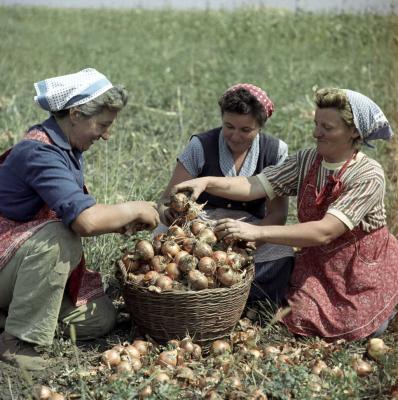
<point>36,173</point>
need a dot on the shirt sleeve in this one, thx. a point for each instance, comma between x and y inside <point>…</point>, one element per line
<point>192,157</point>
<point>45,170</point>
<point>359,199</point>
<point>281,180</point>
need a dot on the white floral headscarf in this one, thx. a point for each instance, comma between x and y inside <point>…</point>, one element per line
<point>369,120</point>
<point>63,92</point>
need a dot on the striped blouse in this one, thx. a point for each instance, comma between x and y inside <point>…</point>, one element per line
<point>362,200</point>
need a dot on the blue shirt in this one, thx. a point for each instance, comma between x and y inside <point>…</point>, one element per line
<point>36,173</point>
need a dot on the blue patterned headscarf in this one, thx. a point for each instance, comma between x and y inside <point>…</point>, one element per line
<point>369,120</point>
<point>71,90</point>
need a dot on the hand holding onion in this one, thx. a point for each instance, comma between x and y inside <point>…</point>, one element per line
<point>194,186</point>
<point>144,215</point>
<point>166,213</point>
<point>228,228</point>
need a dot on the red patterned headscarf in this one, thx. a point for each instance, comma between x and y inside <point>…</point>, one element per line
<point>259,94</point>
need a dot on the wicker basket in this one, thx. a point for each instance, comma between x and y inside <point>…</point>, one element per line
<point>205,315</point>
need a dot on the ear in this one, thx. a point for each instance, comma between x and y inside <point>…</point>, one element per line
<point>74,115</point>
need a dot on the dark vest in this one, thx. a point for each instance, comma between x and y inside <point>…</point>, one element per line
<point>267,156</point>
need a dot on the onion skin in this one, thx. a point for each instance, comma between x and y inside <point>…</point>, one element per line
<point>131,351</point>
<point>176,231</point>
<point>220,347</point>
<point>172,271</point>
<point>168,358</point>
<point>207,236</point>
<point>202,249</point>
<point>129,263</point>
<point>111,358</point>
<point>151,277</point>
<point>207,266</point>
<point>220,257</point>
<point>164,282</point>
<point>158,263</point>
<point>179,202</point>
<point>41,392</point>
<point>197,280</point>
<point>187,263</point>
<point>187,345</point>
<point>124,366</point>
<point>144,250</point>
<point>142,346</point>
<point>376,348</point>
<point>170,248</point>
<point>197,227</point>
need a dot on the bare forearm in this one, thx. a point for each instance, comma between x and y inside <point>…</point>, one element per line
<point>306,234</point>
<point>238,188</point>
<point>102,218</point>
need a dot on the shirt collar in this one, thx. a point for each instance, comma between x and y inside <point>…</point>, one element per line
<point>54,131</point>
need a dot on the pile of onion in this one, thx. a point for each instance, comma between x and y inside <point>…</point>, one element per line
<point>189,256</point>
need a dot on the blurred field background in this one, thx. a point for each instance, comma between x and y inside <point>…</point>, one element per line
<point>175,65</point>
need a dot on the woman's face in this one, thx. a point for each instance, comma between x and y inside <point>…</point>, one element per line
<point>239,131</point>
<point>86,130</point>
<point>334,139</point>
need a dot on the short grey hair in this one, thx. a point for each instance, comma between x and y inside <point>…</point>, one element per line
<point>113,99</point>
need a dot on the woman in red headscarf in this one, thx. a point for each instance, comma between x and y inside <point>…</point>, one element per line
<point>345,279</point>
<point>240,148</point>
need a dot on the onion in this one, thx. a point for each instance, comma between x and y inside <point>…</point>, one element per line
<point>179,202</point>
<point>234,260</point>
<point>168,358</point>
<point>187,263</point>
<point>196,352</point>
<point>174,343</point>
<point>124,366</point>
<point>188,244</point>
<point>144,250</point>
<point>376,348</point>
<point>271,351</point>
<point>170,248</point>
<point>41,392</point>
<point>227,277</point>
<point>130,264</point>
<point>137,279</point>
<point>179,255</point>
<point>187,345</point>
<point>158,263</point>
<point>145,392</point>
<point>136,364</point>
<point>318,367</point>
<point>157,242</point>
<point>161,377</point>
<point>185,373</point>
<point>56,396</point>
<point>207,236</point>
<point>220,257</point>
<point>164,282</point>
<point>172,271</point>
<point>361,367</point>
<point>197,227</point>
<point>220,347</point>
<point>111,358</point>
<point>131,351</point>
<point>202,249</point>
<point>207,266</point>
<point>151,277</point>
<point>118,347</point>
<point>197,280</point>
<point>113,378</point>
<point>211,282</point>
<point>176,231</point>
<point>142,346</point>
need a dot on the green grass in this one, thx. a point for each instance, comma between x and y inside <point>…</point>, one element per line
<point>175,66</point>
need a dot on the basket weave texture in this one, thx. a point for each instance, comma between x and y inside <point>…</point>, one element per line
<point>204,315</point>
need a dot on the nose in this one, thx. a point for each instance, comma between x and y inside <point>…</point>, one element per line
<point>317,132</point>
<point>105,135</point>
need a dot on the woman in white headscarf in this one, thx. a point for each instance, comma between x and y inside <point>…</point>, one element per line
<point>345,280</point>
<point>45,209</point>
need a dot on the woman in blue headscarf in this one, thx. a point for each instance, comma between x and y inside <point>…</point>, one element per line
<point>345,280</point>
<point>45,209</point>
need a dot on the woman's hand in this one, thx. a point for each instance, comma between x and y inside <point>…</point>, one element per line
<point>194,186</point>
<point>147,217</point>
<point>231,229</point>
<point>166,214</point>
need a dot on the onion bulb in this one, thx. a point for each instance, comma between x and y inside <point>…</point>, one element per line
<point>188,244</point>
<point>170,248</point>
<point>361,367</point>
<point>220,347</point>
<point>151,277</point>
<point>41,392</point>
<point>161,377</point>
<point>179,202</point>
<point>220,257</point>
<point>187,345</point>
<point>129,263</point>
<point>158,263</point>
<point>202,249</point>
<point>376,348</point>
<point>197,280</point>
<point>197,227</point>
<point>172,271</point>
<point>207,236</point>
<point>179,255</point>
<point>124,366</point>
<point>142,346</point>
<point>111,358</point>
<point>145,392</point>
<point>176,231</point>
<point>318,367</point>
<point>144,249</point>
<point>187,263</point>
<point>131,351</point>
<point>164,282</point>
<point>227,277</point>
<point>207,266</point>
<point>168,358</point>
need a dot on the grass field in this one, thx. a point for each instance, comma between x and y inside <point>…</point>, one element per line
<point>175,66</point>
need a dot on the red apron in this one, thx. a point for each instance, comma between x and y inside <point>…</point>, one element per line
<point>345,289</point>
<point>83,284</point>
